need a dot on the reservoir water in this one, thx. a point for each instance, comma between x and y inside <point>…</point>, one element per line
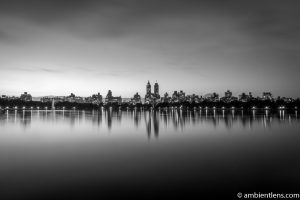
<point>147,154</point>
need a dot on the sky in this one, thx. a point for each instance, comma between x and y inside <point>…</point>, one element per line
<point>55,47</point>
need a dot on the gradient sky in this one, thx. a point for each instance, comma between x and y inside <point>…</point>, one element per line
<point>51,47</point>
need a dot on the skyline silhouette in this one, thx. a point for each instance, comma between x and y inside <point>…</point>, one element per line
<point>158,93</point>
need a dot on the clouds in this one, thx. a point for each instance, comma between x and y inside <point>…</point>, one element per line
<point>116,18</point>
<point>117,40</point>
<point>31,69</point>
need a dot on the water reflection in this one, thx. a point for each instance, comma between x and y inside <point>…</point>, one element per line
<point>71,149</point>
<point>151,121</point>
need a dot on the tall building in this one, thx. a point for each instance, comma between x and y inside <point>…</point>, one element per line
<point>192,98</point>
<point>99,98</point>
<point>181,96</point>
<point>166,98</point>
<point>148,88</point>
<point>109,95</point>
<point>55,98</point>
<point>250,95</point>
<point>175,95</point>
<point>26,97</point>
<point>214,97</point>
<point>228,97</point>
<point>95,99</point>
<point>73,98</point>
<point>156,89</point>
<point>267,96</point>
<point>244,97</point>
<point>136,99</point>
<point>228,94</point>
<point>111,99</point>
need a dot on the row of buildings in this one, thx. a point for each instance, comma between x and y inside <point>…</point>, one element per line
<point>24,97</point>
<point>150,97</point>
<point>178,97</point>
<point>94,99</point>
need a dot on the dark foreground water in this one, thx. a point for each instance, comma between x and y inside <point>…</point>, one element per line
<point>147,155</point>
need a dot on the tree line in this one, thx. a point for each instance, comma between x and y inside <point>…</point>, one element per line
<point>259,104</point>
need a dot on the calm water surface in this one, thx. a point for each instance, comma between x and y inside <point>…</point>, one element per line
<point>147,154</point>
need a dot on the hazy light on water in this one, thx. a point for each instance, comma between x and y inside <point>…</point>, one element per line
<point>142,148</point>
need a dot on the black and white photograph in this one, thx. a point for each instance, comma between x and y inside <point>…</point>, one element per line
<point>149,99</point>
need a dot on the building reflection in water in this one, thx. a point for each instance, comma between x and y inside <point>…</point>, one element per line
<point>156,123</point>
<point>147,117</point>
<point>26,118</point>
<point>154,120</point>
<point>110,117</point>
<point>136,115</point>
<point>99,117</point>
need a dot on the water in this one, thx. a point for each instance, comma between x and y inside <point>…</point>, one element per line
<point>147,154</point>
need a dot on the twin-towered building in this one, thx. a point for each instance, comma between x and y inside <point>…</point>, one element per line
<point>152,97</point>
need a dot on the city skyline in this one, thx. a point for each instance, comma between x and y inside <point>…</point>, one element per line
<point>82,47</point>
<point>148,90</point>
<point>156,90</point>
